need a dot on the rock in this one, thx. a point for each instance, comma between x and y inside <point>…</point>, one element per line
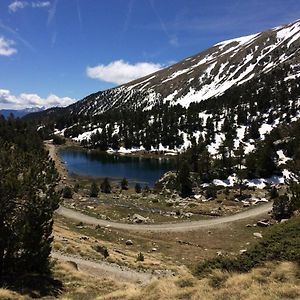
<point>84,238</point>
<point>154,249</point>
<point>258,235</point>
<point>284,220</point>
<point>219,253</point>
<point>248,225</point>
<point>262,224</point>
<point>129,242</point>
<point>139,219</point>
<point>243,251</point>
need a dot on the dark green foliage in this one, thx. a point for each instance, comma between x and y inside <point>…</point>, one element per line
<point>27,200</point>
<point>94,189</point>
<point>138,188</point>
<point>146,189</point>
<point>67,192</point>
<point>211,192</point>
<point>76,188</point>
<point>282,207</point>
<point>280,243</point>
<point>58,140</point>
<point>184,180</point>
<point>101,249</point>
<point>124,184</point>
<point>273,193</point>
<point>140,257</point>
<point>105,186</point>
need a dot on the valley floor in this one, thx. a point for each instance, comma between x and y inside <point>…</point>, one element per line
<point>97,259</point>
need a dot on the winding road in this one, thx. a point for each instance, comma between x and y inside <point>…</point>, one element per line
<point>167,227</point>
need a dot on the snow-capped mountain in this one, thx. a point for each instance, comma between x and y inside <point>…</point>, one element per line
<point>238,90</point>
<point>207,74</point>
<point>19,113</point>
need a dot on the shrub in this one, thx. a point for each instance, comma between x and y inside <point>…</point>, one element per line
<point>76,188</point>
<point>94,190</point>
<point>58,140</point>
<point>211,192</point>
<point>124,184</point>
<point>138,188</point>
<point>140,257</point>
<point>105,186</point>
<point>67,192</point>
<point>101,249</point>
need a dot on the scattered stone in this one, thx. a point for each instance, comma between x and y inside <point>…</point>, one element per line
<point>248,225</point>
<point>258,235</point>
<point>242,251</point>
<point>139,219</point>
<point>219,253</point>
<point>262,224</point>
<point>129,242</point>
<point>84,238</point>
<point>284,220</point>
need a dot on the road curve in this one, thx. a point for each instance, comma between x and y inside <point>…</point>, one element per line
<point>166,227</point>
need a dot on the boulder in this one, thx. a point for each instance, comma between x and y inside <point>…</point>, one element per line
<point>258,235</point>
<point>262,224</point>
<point>139,219</point>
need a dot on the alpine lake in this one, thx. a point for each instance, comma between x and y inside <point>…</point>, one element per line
<point>136,169</point>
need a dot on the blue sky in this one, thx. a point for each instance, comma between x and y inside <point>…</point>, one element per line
<point>55,51</point>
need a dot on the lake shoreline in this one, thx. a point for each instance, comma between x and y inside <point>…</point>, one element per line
<point>73,145</point>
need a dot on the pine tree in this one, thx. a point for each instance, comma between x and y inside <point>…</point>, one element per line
<point>124,184</point>
<point>138,188</point>
<point>105,186</point>
<point>94,190</point>
<point>184,180</point>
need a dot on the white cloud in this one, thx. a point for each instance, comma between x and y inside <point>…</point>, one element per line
<point>40,4</point>
<point>24,100</point>
<point>16,5</point>
<point>120,72</point>
<point>6,48</point>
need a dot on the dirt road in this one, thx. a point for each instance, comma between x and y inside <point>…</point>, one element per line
<point>178,227</point>
<point>103,269</point>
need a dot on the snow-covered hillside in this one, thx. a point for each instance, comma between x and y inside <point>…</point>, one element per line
<point>207,74</point>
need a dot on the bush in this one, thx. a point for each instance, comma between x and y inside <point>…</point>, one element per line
<point>58,140</point>
<point>124,184</point>
<point>101,249</point>
<point>138,188</point>
<point>211,192</point>
<point>105,186</point>
<point>67,192</point>
<point>94,190</point>
<point>76,188</point>
<point>282,207</point>
<point>140,257</point>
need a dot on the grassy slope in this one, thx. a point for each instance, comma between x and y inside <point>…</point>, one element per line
<point>280,243</point>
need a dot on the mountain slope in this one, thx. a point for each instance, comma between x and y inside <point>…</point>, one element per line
<point>19,113</point>
<point>207,74</point>
<point>238,90</point>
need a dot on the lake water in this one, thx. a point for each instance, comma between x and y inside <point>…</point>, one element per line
<point>146,171</point>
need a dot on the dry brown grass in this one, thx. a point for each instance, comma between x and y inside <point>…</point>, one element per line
<point>270,282</point>
<point>10,295</point>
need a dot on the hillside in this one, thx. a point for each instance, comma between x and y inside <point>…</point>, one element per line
<point>230,96</point>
